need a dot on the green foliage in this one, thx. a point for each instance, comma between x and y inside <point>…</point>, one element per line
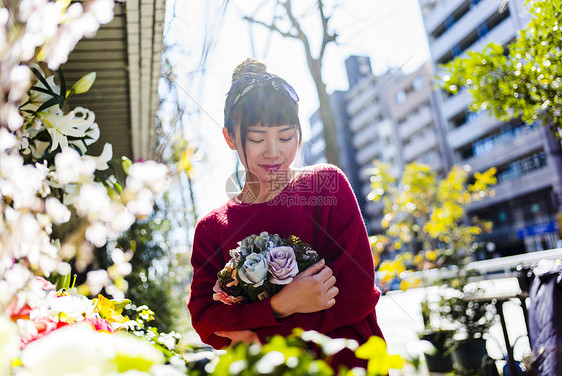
<point>459,304</point>
<point>523,83</point>
<point>292,355</point>
<point>424,212</point>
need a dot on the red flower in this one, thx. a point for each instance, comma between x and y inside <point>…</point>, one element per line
<point>101,325</point>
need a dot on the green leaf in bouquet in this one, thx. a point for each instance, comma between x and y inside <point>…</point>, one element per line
<point>303,251</point>
<point>43,81</point>
<point>51,102</point>
<point>62,81</point>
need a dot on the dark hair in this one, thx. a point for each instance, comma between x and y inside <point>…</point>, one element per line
<point>259,97</point>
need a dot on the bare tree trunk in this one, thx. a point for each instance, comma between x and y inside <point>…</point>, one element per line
<point>326,114</point>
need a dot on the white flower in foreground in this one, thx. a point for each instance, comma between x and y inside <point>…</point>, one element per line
<point>70,168</point>
<point>93,201</point>
<point>21,182</point>
<point>97,234</point>
<point>74,306</point>
<point>7,140</point>
<point>58,212</point>
<point>149,174</point>
<point>9,344</point>
<point>97,280</point>
<point>80,350</point>
<point>142,205</point>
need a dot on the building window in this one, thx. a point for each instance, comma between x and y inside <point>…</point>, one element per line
<point>521,167</point>
<point>482,30</point>
<point>400,97</point>
<point>456,50</point>
<point>418,83</point>
<point>450,21</point>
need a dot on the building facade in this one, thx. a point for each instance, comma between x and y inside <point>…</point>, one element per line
<point>528,160</point>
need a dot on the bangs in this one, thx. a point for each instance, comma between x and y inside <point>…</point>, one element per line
<point>267,107</point>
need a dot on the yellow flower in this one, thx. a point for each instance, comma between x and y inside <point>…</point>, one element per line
<point>431,255</point>
<point>411,282</point>
<point>107,310</point>
<point>379,360</point>
<point>184,163</point>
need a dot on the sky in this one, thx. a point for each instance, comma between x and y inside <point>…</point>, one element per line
<point>390,32</point>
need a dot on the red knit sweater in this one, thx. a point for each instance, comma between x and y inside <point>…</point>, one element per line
<point>318,206</point>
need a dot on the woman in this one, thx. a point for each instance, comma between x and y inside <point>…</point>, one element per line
<point>336,296</point>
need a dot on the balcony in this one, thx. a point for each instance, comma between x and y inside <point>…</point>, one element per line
<point>463,27</point>
<point>366,116</point>
<point>358,101</point>
<point>415,122</point>
<point>368,153</point>
<point>530,182</point>
<point>420,145</point>
<point>455,104</point>
<point>472,130</point>
<point>440,13</point>
<point>501,34</point>
<point>365,135</point>
<point>523,144</point>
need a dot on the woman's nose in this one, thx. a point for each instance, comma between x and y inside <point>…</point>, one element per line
<point>272,149</point>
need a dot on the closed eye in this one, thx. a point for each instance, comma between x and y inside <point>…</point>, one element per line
<point>286,139</point>
<point>255,141</point>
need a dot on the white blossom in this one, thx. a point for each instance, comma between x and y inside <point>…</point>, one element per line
<point>97,234</point>
<point>93,201</point>
<point>7,140</point>
<point>57,211</point>
<point>9,343</point>
<point>97,280</point>
<point>149,174</point>
<point>70,168</point>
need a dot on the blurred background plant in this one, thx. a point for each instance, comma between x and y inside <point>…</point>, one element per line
<point>425,219</point>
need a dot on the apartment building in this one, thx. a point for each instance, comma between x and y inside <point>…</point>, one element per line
<point>374,136</point>
<point>528,195</point>
<point>411,104</point>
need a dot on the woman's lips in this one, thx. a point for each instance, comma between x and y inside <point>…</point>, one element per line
<point>271,168</point>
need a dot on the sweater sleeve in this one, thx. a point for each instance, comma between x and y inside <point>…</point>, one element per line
<point>209,316</point>
<point>348,254</point>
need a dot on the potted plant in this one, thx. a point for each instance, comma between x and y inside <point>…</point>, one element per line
<point>462,305</point>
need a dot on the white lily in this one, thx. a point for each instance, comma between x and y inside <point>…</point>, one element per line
<point>74,124</point>
<point>102,159</point>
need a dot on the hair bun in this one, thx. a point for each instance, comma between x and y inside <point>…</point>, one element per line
<point>249,65</point>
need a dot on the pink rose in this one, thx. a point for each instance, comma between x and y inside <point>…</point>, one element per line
<point>221,296</point>
<point>282,265</point>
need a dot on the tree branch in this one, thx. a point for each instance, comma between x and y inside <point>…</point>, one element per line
<point>327,37</point>
<point>272,26</point>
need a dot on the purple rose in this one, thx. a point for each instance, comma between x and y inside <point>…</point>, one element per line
<point>282,265</point>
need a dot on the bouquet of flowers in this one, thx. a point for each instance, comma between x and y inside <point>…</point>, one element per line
<point>260,266</point>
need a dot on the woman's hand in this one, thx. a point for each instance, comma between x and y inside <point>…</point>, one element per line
<point>246,336</point>
<point>312,290</point>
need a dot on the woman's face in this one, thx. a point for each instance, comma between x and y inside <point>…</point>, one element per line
<point>270,150</point>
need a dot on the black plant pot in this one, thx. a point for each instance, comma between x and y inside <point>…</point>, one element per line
<point>438,362</point>
<point>469,354</point>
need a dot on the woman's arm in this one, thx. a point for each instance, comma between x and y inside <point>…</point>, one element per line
<point>348,254</point>
<point>209,316</point>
